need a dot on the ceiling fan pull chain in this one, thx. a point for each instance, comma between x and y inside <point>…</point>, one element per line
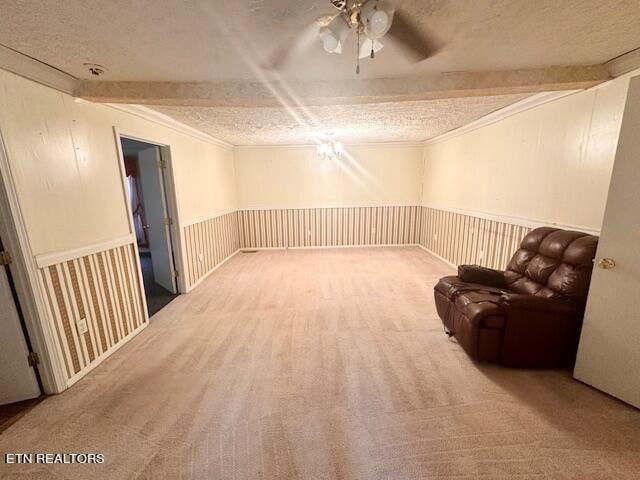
<point>358,54</point>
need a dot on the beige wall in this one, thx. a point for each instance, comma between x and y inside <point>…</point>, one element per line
<point>293,177</point>
<point>65,166</point>
<point>550,164</point>
<point>64,160</point>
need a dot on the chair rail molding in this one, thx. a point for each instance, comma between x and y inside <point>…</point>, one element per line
<point>48,259</point>
<point>514,220</point>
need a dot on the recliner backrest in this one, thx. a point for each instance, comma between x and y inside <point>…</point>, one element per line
<point>553,263</point>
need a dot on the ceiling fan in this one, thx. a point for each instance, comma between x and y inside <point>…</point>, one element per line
<point>371,21</point>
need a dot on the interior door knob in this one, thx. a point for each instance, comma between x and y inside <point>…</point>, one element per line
<point>607,263</point>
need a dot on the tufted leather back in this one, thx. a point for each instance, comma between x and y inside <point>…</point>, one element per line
<point>553,263</point>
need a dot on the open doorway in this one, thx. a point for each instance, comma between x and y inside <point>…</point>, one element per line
<point>147,194</point>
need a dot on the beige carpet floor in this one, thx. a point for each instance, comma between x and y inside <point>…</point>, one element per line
<point>322,364</point>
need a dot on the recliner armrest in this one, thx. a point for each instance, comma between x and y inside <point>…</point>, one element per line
<point>533,303</point>
<point>482,275</point>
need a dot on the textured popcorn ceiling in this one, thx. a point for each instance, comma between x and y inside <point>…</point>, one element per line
<point>226,42</point>
<point>383,122</point>
<point>211,40</point>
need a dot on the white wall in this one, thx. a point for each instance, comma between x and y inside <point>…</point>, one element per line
<point>293,177</point>
<point>64,160</point>
<point>550,164</point>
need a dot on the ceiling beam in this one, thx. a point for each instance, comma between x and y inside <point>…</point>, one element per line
<point>278,93</point>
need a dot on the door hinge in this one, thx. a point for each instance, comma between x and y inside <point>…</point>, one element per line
<point>168,221</point>
<point>33,359</point>
<point>163,163</point>
<point>5,258</point>
<point>175,274</point>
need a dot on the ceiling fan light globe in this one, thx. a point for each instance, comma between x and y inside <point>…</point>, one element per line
<point>334,34</point>
<point>379,22</point>
<point>330,43</point>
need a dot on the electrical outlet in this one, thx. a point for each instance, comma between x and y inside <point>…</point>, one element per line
<point>200,257</point>
<point>435,238</point>
<point>309,233</point>
<point>82,326</point>
<point>481,255</point>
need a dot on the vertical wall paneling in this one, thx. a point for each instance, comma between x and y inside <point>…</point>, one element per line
<point>456,237</point>
<point>101,288</point>
<point>329,227</point>
<point>210,242</point>
<point>464,239</point>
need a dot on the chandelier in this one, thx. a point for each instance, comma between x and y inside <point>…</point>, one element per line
<point>330,150</point>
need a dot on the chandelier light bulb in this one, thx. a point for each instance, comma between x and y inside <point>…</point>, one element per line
<point>330,150</point>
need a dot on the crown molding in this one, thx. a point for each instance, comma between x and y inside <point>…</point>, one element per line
<point>28,67</point>
<point>151,115</point>
<point>294,146</point>
<point>625,63</point>
<point>508,111</point>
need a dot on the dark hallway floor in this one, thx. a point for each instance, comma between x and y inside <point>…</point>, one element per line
<point>157,296</point>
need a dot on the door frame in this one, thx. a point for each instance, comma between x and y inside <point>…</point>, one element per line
<point>171,197</point>
<point>26,277</point>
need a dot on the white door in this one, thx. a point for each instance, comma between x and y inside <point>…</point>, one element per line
<point>17,379</point>
<point>609,353</point>
<point>155,208</point>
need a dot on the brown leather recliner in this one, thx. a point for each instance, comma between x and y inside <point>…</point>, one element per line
<point>530,315</point>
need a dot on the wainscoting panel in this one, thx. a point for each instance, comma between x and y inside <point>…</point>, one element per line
<point>208,243</point>
<point>330,227</point>
<point>102,288</point>
<point>464,239</point>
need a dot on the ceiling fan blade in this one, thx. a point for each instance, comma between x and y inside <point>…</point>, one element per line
<point>282,55</point>
<point>417,45</point>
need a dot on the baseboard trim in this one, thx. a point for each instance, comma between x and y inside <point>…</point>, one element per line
<point>327,247</point>
<point>88,369</point>
<point>442,259</point>
<point>204,277</point>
